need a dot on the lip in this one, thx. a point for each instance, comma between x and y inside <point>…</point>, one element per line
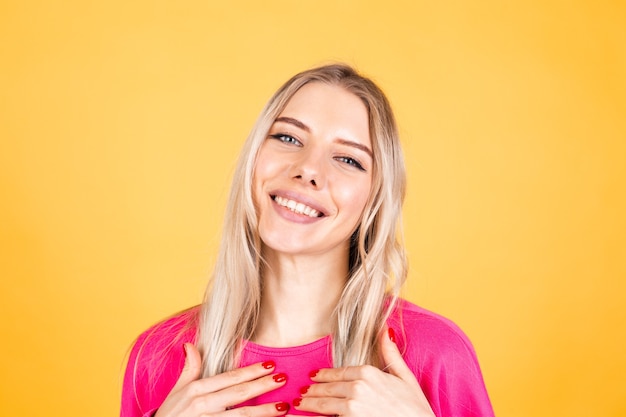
<point>300,198</point>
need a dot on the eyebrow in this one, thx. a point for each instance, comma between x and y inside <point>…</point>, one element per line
<point>297,123</point>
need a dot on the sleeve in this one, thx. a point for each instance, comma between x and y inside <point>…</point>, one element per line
<point>134,382</point>
<point>446,367</point>
<point>455,383</point>
<point>154,365</point>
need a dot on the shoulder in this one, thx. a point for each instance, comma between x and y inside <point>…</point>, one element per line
<point>155,362</point>
<point>443,360</point>
<point>181,326</point>
<point>422,329</point>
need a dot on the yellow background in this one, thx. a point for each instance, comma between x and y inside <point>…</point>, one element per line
<point>120,122</point>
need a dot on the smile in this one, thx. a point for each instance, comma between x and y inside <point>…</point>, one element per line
<point>297,207</point>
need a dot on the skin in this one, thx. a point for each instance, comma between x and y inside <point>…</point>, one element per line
<point>356,391</point>
<point>306,155</point>
<point>195,396</point>
<point>318,152</point>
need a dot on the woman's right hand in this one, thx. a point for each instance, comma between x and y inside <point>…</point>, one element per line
<point>193,396</point>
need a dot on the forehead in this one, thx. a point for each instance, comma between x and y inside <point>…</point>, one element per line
<point>331,109</point>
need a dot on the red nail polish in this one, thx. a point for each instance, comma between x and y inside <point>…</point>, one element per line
<point>392,335</point>
<point>268,364</point>
<point>296,402</point>
<point>282,407</point>
<point>304,390</point>
<point>312,374</point>
<point>280,377</point>
<point>185,349</point>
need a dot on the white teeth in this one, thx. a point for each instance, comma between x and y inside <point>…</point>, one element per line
<point>296,207</point>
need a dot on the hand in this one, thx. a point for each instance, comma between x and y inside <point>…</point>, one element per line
<point>362,391</point>
<point>213,396</point>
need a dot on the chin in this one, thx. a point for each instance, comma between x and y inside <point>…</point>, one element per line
<point>287,246</point>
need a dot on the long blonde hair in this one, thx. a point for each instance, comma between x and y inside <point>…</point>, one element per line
<point>230,310</point>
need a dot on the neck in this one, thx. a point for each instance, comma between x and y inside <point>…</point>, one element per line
<point>299,296</point>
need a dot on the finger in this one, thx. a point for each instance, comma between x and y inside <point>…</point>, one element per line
<point>340,389</point>
<point>392,359</point>
<point>321,405</point>
<point>239,393</point>
<point>192,369</point>
<point>264,410</point>
<point>234,377</point>
<point>293,415</point>
<point>347,373</point>
<point>217,402</point>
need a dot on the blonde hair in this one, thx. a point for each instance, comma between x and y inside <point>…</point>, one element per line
<point>230,310</point>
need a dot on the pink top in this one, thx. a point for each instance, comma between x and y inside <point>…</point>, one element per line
<point>435,349</point>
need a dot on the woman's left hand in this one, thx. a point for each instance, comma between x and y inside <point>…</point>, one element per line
<point>362,391</point>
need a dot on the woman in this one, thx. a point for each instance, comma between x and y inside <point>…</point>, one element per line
<point>302,316</point>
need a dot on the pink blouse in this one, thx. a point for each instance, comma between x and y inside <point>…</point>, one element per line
<point>435,349</point>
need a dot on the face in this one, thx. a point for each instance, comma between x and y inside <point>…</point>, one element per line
<point>313,172</point>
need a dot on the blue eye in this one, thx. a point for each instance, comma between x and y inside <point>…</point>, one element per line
<point>350,161</point>
<point>286,139</point>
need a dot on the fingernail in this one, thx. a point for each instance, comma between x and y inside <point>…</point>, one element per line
<point>185,349</point>
<point>392,335</point>
<point>304,390</point>
<point>268,364</point>
<point>282,407</point>
<point>296,402</point>
<point>312,374</point>
<point>280,377</point>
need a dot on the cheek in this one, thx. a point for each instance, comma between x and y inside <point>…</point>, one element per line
<point>354,198</point>
<point>267,165</point>
<point>267,169</point>
<point>260,174</point>
<point>256,193</point>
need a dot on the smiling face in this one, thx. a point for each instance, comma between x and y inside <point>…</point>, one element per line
<point>313,172</point>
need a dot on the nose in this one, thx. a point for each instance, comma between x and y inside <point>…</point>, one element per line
<point>309,169</point>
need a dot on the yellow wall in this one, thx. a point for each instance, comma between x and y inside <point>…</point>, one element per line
<point>120,122</point>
